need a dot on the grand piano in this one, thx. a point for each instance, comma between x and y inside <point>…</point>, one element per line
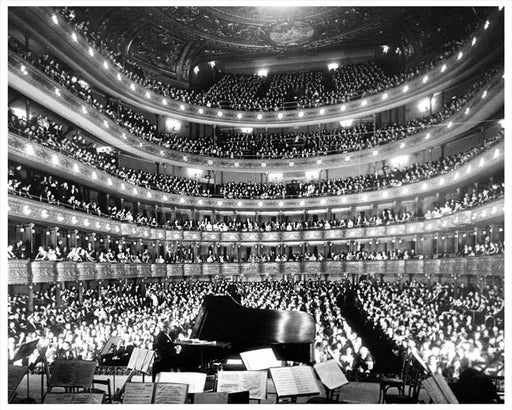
<point>236,329</point>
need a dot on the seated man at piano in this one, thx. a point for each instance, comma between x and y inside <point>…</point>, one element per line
<point>163,345</point>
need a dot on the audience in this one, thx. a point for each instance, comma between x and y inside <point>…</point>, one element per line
<point>303,90</point>
<point>238,145</point>
<point>58,191</point>
<point>447,323</point>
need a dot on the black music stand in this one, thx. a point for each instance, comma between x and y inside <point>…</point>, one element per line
<point>110,348</point>
<point>23,352</point>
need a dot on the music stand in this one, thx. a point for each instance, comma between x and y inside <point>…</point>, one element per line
<point>110,347</point>
<point>24,351</point>
<point>140,361</point>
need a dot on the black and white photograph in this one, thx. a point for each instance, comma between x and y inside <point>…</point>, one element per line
<point>255,204</point>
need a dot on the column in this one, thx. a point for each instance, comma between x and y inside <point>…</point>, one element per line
<point>418,207</point>
<point>58,299</point>
<point>54,236</point>
<point>30,306</point>
<point>80,291</point>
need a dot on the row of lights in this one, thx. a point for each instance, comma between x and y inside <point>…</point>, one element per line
<point>55,161</point>
<point>44,215</point>
<point>280,116</point>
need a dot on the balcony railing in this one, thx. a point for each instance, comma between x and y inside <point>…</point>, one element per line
<point>30,81</point>
<point>470,58</point>
<point>29,210</point>
<point>26,272</point>
<point>33,154</point>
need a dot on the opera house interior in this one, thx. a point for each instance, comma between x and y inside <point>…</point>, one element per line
<point>255,205</point>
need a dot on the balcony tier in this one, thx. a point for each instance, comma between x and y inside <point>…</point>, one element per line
<point>25,210</point>
<point>41,157</point>
<point>38,21</point>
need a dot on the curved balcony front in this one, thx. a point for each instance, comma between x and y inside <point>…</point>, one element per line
<point>33,83</point>
<point>446,269</point>
<point>26,210</point>
<point>39,22</point>
<point>33,154</point>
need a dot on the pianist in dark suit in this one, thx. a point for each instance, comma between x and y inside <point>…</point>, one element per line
<point>165,350</point>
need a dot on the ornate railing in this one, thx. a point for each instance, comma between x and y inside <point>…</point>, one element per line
<point>33,154</point>
<point>24,272</point>
<point>40,21</point>
<point>33,211</point>
<point>30,81</point>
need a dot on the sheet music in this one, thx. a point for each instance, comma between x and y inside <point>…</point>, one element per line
<point>445,388</point>
<point>433,391</point>
<point>141,359</point>
<point>195,381</point>
<point>330,374</point>
<point>139,362</point>
<point>138,393</point>
<point>438,390</point>
<point>133,358</point>
<point>260,359</point>
<point>148,361</point>
<point>294,381</point>
<point>234,381</point>
<point>170,393</point>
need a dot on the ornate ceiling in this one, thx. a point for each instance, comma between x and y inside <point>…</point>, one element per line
<point>173,39</point>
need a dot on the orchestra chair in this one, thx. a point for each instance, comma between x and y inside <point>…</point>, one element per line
<point>398,382</point>
<point>103,382</point>
<point>411,391</point>
<point>73,375</point>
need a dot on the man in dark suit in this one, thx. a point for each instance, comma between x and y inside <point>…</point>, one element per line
<point>163,345</point>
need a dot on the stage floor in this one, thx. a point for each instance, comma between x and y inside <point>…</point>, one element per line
<point>354,392</point>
